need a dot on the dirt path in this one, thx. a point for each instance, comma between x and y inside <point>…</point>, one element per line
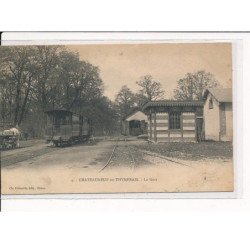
<point>28,150</point>
<point>50,157</point>
<point>77,169</point>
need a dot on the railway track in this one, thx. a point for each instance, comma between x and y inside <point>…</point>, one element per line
<point>132,158</point>
<point>110,157</point>
<point>164,158</point>
<point>127,151</point>
<point>132,162</point>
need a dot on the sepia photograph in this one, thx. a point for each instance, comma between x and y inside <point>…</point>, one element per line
<point>124,124</point>
<point>116,118</point>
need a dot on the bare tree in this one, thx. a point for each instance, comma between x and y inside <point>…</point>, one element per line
<point>150,89</point>
<point>192,85</point>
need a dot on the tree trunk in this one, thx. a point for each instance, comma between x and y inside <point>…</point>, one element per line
<point>24,103</point>
<point>17,108</point>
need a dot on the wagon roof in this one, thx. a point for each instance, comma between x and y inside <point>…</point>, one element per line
<point>58,110</point>
<point>173,103</point>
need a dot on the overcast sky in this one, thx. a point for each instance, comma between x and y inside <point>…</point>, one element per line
<point>124,64</point>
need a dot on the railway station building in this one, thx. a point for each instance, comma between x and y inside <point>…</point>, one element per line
<point>174,121</point>
<point>218,114</point>
<point>135,124</point>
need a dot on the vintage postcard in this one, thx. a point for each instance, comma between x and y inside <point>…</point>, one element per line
<point>116,118</point>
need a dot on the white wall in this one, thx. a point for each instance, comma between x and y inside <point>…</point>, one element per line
<point>229,121</point>
<point>211,120</point>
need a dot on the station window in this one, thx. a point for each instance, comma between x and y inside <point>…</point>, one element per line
<point>175,121</point>
<point>211,106</point>
<point>61,119</point>
<point>75,119</point>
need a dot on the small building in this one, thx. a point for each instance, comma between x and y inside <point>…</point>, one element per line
<point>174,121</point>
<point>218,114</point>
<point>135,124</point>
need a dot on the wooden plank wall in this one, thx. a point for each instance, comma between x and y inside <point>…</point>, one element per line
<point>162,127</point>
<point>149,127</point>
<point>188,125</point>
<point>152,135</point>
<point>159,130</point>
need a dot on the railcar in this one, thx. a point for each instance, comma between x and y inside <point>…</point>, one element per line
<point>9,139</point>
<point>64,127</point>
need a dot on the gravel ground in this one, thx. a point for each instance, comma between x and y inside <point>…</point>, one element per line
<point>128,155</point>
<point>191,151</point>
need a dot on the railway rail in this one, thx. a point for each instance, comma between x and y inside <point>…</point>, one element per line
<point>133,164</point>
<point>110,157</point>
<point>132,158</point>
<point>164,158</point>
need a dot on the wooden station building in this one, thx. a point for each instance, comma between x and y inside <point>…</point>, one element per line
<point>174,121</point>
<point>135,124</point>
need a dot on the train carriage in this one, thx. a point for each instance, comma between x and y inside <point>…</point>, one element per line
<point>9,138</point>
<point>65,127</point>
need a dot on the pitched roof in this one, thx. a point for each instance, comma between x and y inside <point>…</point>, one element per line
<point>220,94</point>
<point>137,115</point>
<point>173,103</point>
